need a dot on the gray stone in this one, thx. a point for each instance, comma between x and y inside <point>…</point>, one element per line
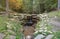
<point>58,4</point>
<point>1,36</point>
<point>12,37</point>
<point>55,22</point>
<point>49,37</point>
<point>39,36</point>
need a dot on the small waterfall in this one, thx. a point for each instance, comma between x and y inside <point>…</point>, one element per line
<point>29,27</point>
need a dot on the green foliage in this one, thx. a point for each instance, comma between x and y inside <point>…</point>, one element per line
<point>3,24</point>
<point>3,3</point>
<point>28,5</point>
<point>16,27</point>
<point>48,5</point>
<point>56,35</point>
<point>10,28</point>
<point>40,6</point>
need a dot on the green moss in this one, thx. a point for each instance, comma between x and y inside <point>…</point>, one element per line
<point>54,13</point>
